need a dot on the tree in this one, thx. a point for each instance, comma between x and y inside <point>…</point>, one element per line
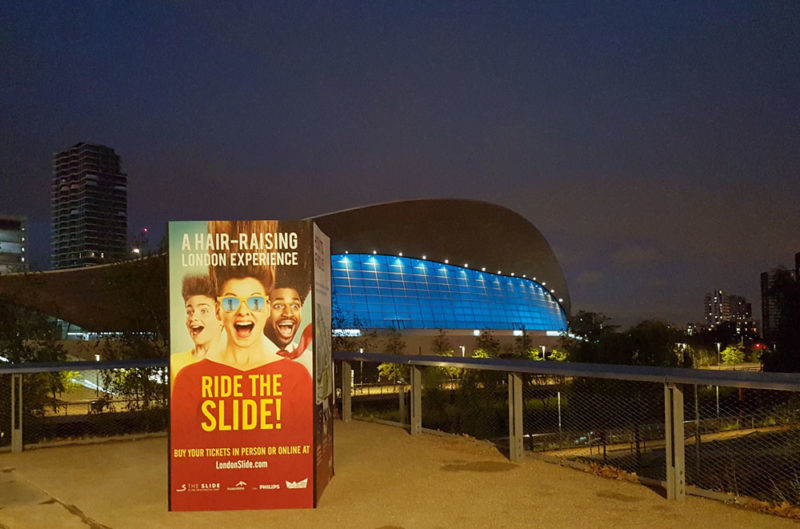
<point>393,344</point>
<point>588,335</point>
<point>732,355</point>
<point>145,387</point>
<point>486,345</point>
<point>338,341</point>
<point>393,373</point>
<point>653,343</point>
<point>649,343</point>
<point>441,344</point>
<point>524,348</point>
<point>366,340</point>
<point>591,326</point>
<point>29,336</point>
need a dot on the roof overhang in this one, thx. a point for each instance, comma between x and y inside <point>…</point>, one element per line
<point>129,296</point>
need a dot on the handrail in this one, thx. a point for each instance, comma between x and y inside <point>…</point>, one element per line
<point>664,375</point>
<point>85,365</point>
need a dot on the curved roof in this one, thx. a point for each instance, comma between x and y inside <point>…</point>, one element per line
<point>470,232</point>
<point>132,296</point>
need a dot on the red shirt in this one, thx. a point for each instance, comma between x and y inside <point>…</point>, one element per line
<point>241,439</point>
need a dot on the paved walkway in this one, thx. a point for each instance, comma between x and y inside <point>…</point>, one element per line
<point>385,479</point>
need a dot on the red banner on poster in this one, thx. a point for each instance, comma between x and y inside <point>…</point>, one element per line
<point>248,417</point>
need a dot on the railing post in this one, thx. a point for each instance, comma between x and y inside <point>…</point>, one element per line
<point>16,413</point>
<point>416,400</point>
<point>401,402</point>
<point>515,431</point>
<point>347,382</point>
<point>676,461</point>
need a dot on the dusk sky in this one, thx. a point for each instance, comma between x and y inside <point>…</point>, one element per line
<point>655,145</point>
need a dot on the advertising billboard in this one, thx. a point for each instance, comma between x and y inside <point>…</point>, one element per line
<point>250,381</point>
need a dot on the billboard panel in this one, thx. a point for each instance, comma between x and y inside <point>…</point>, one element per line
<point>323,367</point>
<point>243,394</point>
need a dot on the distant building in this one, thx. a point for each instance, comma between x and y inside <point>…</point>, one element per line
<point>13,244</point>
<point>693,329</point>
<point>770,314</point>
<point>728,317</point>
<point>719,308</point>
<point>90,206</point>
<point>715,308</point>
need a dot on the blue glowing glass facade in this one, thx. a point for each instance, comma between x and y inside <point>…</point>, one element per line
<point>381,291</point>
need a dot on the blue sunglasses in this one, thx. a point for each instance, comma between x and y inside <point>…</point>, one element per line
<point>231,303</point>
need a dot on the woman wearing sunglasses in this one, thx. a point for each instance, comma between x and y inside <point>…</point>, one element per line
<point>243,308</point>
<point>242,301</point>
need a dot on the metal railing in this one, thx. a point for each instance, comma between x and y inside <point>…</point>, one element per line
<point>724,434</point>
<point>102,399</point>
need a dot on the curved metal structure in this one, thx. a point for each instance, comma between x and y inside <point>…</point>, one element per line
<point>458,232</point>
<point>129,296</point>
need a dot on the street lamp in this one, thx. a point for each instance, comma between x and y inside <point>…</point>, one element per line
<point>97,377</point>
<point>542,346</point>
<point>682,347</point>
<point>361,375</point>
<point>463,351</point>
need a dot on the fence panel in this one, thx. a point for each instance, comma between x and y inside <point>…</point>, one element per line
<point>67,405</point>
<point>607,422</point>
<point>374,399</point>
<point>742,436</point>
<point>744,442</point>
<point>468,402</point>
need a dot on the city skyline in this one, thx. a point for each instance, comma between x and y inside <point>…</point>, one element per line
<point>657,150</point>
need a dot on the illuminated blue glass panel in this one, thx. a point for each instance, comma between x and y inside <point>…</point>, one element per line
<point>381,291</point>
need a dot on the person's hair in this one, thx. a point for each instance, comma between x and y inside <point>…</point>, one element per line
<point>221,274</point>
<point>296,276</point>
<point>197,285</point>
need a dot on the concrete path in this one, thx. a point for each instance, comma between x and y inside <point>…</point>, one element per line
<point>385,479</point>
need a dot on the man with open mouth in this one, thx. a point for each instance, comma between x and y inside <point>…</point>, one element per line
<point>284,317</point>
<point>204,328</point>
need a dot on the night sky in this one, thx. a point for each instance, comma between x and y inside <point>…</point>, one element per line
<point>656,145</point>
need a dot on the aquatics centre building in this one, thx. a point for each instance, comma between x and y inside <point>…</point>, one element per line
<point>458,266</point>
<point>419,266</point>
